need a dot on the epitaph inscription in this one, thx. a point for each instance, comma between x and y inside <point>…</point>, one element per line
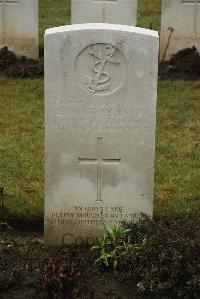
<point>98,68</point>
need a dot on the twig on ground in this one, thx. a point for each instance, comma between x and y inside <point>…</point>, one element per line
<point>168,42</point>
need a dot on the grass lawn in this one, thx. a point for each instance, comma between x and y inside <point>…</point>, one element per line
<point>177,178</point>
<point>51,14</point>
<point>21,145</point>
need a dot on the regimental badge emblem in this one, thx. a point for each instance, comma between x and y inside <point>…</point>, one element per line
<point>101,78</point>
<point>101,69</point>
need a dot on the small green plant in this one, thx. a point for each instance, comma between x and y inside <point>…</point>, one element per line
<point>114,245</point>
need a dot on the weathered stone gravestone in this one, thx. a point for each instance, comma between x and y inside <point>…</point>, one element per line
<point>180,26</point>
<point>19,26</point>
<point>104,11</point>
<point>101,85</point>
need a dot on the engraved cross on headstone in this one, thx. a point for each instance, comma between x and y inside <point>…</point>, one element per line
<point>99,161</point>
<point>104,2</point>
<point>196,7</point>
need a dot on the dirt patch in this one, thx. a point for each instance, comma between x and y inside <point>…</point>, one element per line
<point>168,266</point>
<point>30,223</point>
<point>184,65</point>
<point>13,67</point>
<point>30,270</point>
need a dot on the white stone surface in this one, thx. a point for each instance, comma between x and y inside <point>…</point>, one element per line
<point>19,26</point>
<point>100,98</point>
<point>104,11</point>
<point>183,16</point>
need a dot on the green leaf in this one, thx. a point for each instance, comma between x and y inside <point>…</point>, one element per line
<point>115,264</point>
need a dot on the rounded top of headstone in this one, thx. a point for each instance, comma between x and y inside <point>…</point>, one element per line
<point>101,26</point>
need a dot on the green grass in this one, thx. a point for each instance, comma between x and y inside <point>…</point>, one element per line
<point>177,179</point>
<point>21,144</point>
<point>177,187</point>
<point>149,14</point>
<point>53,13</point>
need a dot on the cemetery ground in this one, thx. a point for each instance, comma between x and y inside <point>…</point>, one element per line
<point>168,266</point>
<point>176,203</point>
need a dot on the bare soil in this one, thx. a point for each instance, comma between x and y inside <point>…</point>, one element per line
<point>184,65</point>
<point>30,270</point>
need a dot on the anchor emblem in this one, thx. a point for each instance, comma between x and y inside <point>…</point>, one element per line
<point>101,79</point>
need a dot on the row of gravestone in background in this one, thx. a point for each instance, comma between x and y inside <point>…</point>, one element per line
<point>180,26</point>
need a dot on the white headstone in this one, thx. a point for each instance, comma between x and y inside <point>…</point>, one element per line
<point>101,90</point>
<point>19,26</point>
<point>180,27</point>
<point>104,11</point>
